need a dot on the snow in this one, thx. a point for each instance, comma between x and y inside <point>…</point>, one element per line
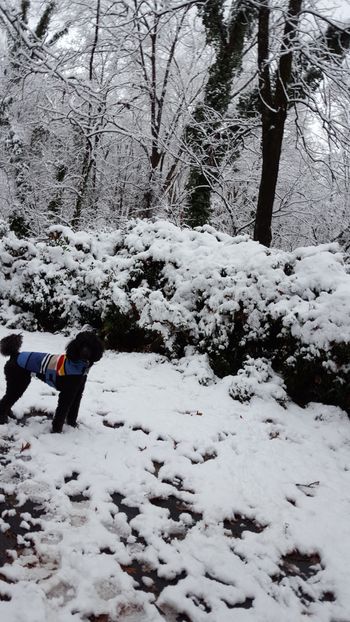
<point>174,501</point>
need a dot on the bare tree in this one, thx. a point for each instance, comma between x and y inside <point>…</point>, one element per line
<point>289,76</point>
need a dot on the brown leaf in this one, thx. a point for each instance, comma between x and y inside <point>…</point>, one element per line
<point>25,446</point>
<point>129,569</point>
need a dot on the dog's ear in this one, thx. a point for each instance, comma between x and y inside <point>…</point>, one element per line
<point>72,350</point>
<point>96,347</point>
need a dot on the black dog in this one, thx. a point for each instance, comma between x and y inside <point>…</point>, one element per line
<point>66,372</point>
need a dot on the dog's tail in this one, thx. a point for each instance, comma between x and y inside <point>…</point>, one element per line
<point>11,345</point>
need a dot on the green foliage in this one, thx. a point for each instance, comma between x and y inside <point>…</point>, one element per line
<point>148,271</point>
<point>227,37</point>
<point>55,204</point>
<point>230,358</point>
<point>313,376</point>
<point>309,376</point>
<point>121,332</point>
<point>43,24</point>
<point>249,104</point>
<point>19,225</point>
<point>58,35</point>
<point>25,6</point>
<point>156,288</point>
<point>218,89</point>
<point>199,211</point>
<point>46,306</point>
<point>212,13</point>
<point>337,41</point>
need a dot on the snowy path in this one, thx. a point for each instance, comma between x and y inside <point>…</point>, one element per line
<point>172,502</point>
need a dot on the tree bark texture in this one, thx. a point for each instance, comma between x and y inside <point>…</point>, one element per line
<point>274,111</point>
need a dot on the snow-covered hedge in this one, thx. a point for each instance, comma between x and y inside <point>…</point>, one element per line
<point>156,287</point>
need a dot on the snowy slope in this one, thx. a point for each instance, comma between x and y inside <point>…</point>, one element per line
<point>173,502</point>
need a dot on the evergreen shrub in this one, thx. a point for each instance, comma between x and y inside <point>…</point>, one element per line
<point>155,287</point>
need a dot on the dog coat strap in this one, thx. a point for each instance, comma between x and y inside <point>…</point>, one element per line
<point>76,368</point>
<point>60,365</point>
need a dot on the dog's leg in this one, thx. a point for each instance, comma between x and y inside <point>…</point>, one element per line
<point>69,387</point>
<point>17,380</point>
<point>64,401</point>
<point>72,414</point>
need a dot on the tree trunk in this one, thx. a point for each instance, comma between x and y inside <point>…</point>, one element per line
<point>274,111</point>
<point>272,140</point>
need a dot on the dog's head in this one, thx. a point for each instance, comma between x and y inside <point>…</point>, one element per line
<point>85,347</point>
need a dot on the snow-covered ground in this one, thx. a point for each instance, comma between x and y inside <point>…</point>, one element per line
<point>172,501</point>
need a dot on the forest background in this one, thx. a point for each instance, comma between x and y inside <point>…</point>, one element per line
<point>143,143</point>
<point>233,113</point>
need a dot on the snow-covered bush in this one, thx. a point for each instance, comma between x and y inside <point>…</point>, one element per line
<point>4,228</point>
<point>154,286</point>
<point>257,379</point>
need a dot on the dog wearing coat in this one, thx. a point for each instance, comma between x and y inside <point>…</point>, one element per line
<point>65,372</point>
